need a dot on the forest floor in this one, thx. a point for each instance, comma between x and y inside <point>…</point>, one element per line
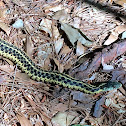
<point>84,39</point>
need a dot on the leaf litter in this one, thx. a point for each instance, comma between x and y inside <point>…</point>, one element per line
<point>89,47</point>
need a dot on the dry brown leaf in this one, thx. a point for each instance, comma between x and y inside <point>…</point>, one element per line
<point>48,8</point>
<point>28,26</point>
<point>111,39</point>
<point>38,124</point>
<point>60,66</point>
<point>58,108</point>
<point>55,32</point>
<point>22,76</point>
<point>2,5</point>
<point>7,68</point>
<point>29,46</point>
<point>74,35</point>
<point>115,50</point>
<point>47,63</point>
<point>61,107</point>
<point>67,66</point>
<point>58,45</point>
<point>120,2</point>
<point>63,118</point>
<point>23,120</point>
<point>61,15</point>
<point>46,26</point>
<point>80,49</point>
<point>114,35</point>
<point>65,50</point>
<point>3,13</point>
<point>4,27</point>
<point>120,29</point>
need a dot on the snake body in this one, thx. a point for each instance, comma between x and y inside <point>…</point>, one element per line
<point>20,58</point>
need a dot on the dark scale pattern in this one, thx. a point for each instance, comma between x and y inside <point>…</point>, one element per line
<point>26,64</point>
<point>53,76</point>
<point>62,78</point>
<point>5,49</point>
<point>10,51</point>
<point>94,90</point>
<point>48,76</point>
<point>1,47</point>
<point>35,72</point>
<point>28,67</point>
<point>59,79</point>
<point>39,74</point>
<point>14,53</point>
<point>19,57</point>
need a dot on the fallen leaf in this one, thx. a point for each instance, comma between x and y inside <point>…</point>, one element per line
<point>120,2</point>
<point>18,24</point>
<point>3,13</point>
<point>115,33</point>
<point>111,39</point>
<point>62,119</point>
<point>121,28</point>
<point>60,107</point>
<point>123,35</point>
<point>58,45</point>
<point>38,124</point>
<point>80,49</point>
<point>108,54</point>
<point>4,27</point>
<point>60,66</point>
<point>75,35</point>
<point>55,32</point>
<point>7,68</point>
<point>54,8</point>
<point>98,107</point>
<point>61,15</point>
<point>29,46</point>
<point>46,26</point>
<point>22,76</point>
<point>65,50</point>
<point>2,5</point>
<point>23,120</point>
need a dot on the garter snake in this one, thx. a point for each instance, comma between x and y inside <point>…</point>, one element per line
<point>29,67</point>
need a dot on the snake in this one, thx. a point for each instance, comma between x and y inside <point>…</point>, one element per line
<point>26,65</point>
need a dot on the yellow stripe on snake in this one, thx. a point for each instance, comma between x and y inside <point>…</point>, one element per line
<point>28,66</point>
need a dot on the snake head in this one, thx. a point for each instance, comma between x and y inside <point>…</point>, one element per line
<point>110,85</point>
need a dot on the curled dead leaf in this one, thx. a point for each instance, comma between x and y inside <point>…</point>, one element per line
<point>80,49</point>
<point>7,68</point>
<point>120,2</point>
<point>60,66</point>
<point>58,45</point>
<point>115,33</point>
<point>65,50</point>
<point>23,120</point>
<point>3,13</point>
<point>4,27</point>
<point>75,35</point>
<point>46,26</point>
<point>61,15</point>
